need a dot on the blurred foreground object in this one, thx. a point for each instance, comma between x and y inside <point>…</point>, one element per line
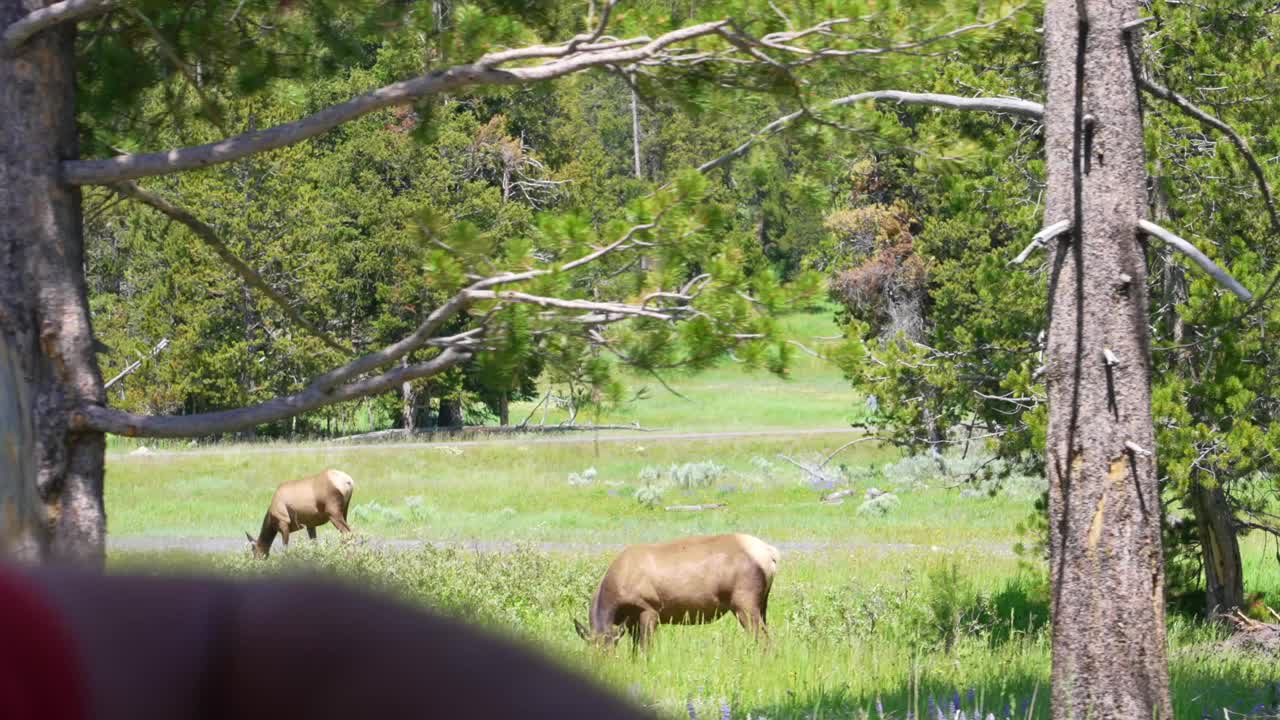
<point>80,645</point>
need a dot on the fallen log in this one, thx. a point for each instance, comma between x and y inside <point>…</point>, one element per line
<point>839,495</point>
<point>1254,636</point>
<point>694,508</point>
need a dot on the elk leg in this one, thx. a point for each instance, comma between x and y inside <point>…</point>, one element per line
<point>752,621</point>
<point>284,534</point>
<point>646,627</point>
<point>336,516</point>
<point>311,532</point>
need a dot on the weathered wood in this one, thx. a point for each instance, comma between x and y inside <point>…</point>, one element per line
<point>1200,259</point>
<point>695,508</point>
<point>1109,657</point>
<point>839,496</point>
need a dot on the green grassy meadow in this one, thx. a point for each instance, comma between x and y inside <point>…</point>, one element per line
<point>927,599</point>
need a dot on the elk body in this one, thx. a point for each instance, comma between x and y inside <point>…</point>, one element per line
<point>688,581</point>
<point>307,502</point>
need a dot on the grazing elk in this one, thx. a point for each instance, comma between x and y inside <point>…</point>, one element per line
<point>688,581</point>
<point>307,502</point>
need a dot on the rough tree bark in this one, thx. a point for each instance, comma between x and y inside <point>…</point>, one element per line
<point>46,341</point>
<point>1106,561</point>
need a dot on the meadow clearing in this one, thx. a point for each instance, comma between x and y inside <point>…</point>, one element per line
<point>907,603</point>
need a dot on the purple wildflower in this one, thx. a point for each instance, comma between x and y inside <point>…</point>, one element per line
<point>973,700</point>
<point>693,714</point>
<point>955,703</point>
<point>725,711</point>
<point>879,708</point>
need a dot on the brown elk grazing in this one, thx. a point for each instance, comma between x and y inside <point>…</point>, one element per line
<point>688,581</point>
<point>307,502</point>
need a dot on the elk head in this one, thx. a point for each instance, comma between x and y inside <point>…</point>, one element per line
<point>259,552</point>
<point>603,640</point>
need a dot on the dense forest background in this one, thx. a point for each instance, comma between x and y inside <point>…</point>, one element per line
<point>905,217</point>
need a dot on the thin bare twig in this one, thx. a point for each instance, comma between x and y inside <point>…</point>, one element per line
<point>249,275</point>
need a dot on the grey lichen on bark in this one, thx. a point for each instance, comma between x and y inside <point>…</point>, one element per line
<point>1109,658</point>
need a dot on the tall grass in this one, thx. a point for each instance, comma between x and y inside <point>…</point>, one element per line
<point>849,630</point>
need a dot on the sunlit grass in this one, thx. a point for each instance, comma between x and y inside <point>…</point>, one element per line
<point>856,607</point>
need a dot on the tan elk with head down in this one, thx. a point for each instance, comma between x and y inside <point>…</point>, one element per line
<point>688,581</point>
<point>307,502</point>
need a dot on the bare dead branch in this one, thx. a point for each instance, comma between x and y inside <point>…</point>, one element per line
<point>1197,257</point>
<point>846,446</point>
<point>338,384</point>
<point>102,419</point>
<point>1011,106</point>
<point>566,304</point>
<point>1236,139</point>
<point>249,275</point>
<point>137,363</point>
<point>580,53</point>
<point>615,245</point>
<point>481,72</point>
<point>1041,238</point>
<point>777,40</point>
<point>694,508</point>
<point>38,20</point>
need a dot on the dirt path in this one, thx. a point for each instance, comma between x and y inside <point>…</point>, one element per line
<point>144,543</point>
<point>605,436</point>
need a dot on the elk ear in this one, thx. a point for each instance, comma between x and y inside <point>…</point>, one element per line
<point>250,539</point>
<point>582,631</point>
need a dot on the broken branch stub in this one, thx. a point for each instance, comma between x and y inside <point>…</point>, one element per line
<point>1041,238</point>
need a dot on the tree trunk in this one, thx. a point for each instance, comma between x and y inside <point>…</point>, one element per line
<point>408,404</point>
<point>635,129</point>
<point>47,363</point>
<point>1220,547</point>
<point>1105,555</point>
<point>450,412</point>
<point>504,408</point>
